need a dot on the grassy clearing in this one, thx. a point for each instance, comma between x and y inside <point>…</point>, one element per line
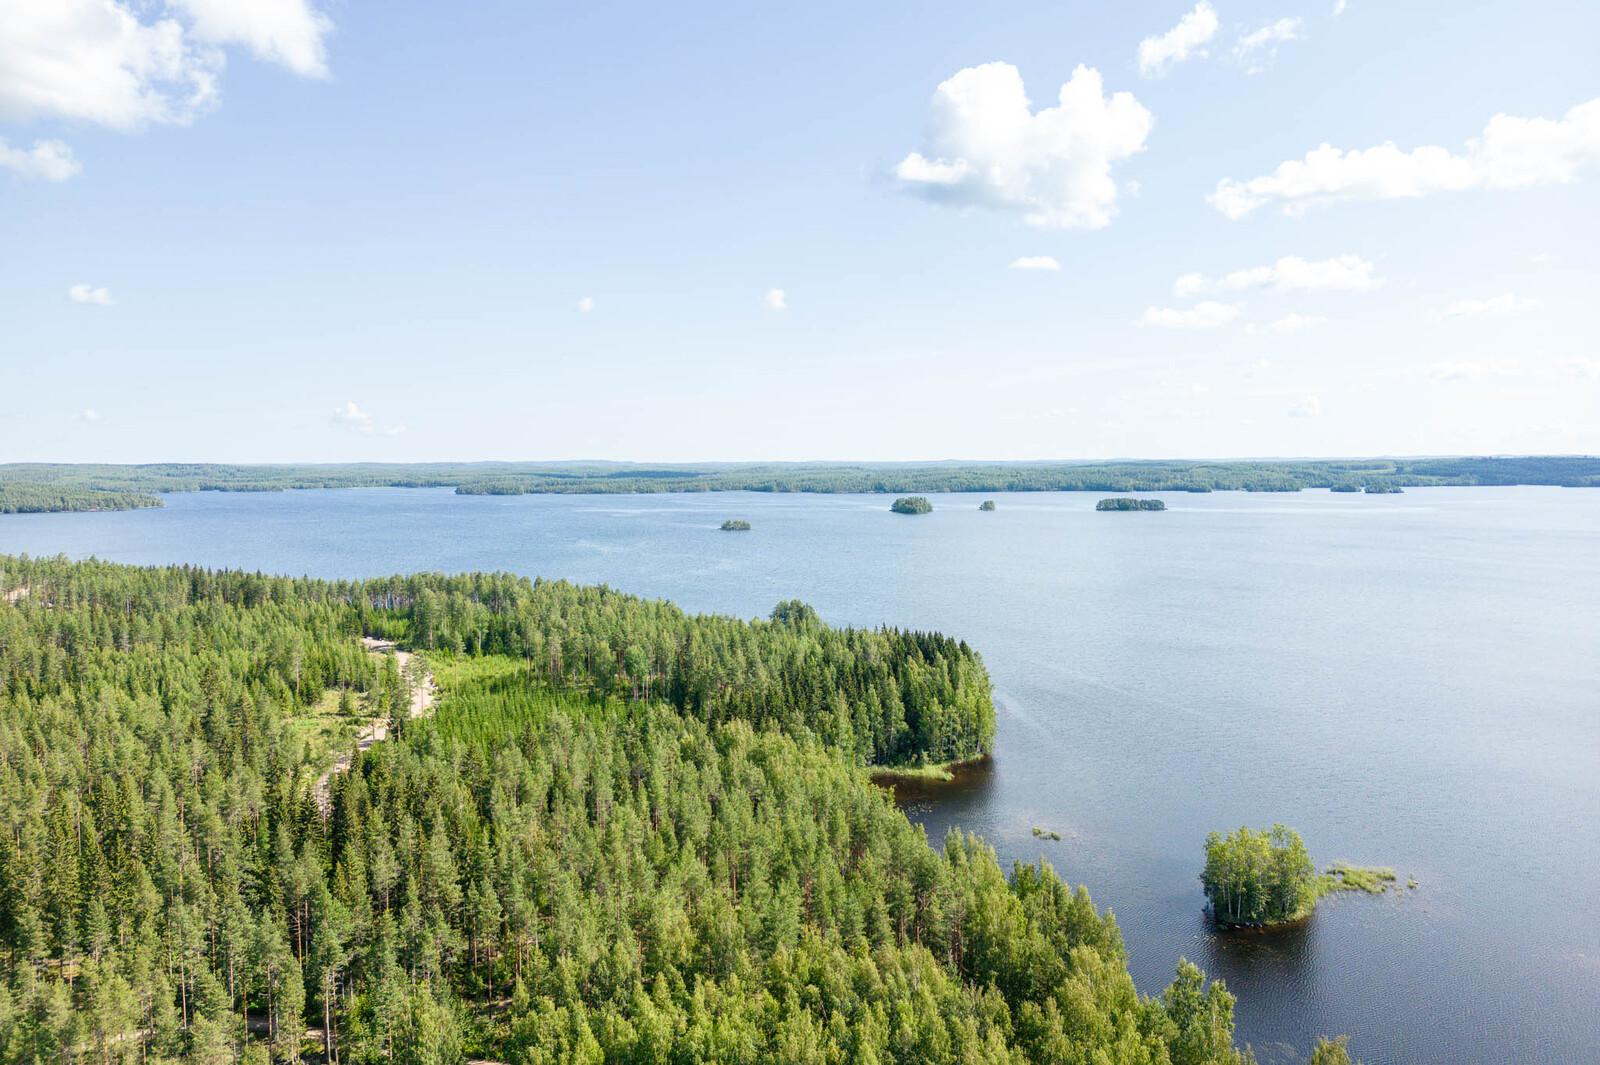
<point>329,727</point>
<point>883,774</point>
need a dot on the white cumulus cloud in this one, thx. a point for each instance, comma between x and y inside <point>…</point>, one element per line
<point>100,297</point>
<point>45,161</point>
<point>986,146</point>
<point>1338,7</point>
<point>1256,49</point>
<point>290,33</point>
<point>585,305</point>
<point>1512,153</point>
<point>352,417</point>
<point>1343,273</point>
<point>1310,407</point>
<point>1194,31</point>
<point>775,300</point>
<point>1035,262</point>
<point>128,64</point>
<point>1506,304</point>
<point>1204,315</point>
<point>89,416</point>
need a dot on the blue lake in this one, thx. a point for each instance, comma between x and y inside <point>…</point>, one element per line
<point>1410,680</point>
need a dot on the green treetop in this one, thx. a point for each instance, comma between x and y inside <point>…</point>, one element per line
<point>1260,877</point>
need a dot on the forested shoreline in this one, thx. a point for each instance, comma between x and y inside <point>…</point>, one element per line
<point>627,834</point>
<point>123,486</point>
<point>23,497</point>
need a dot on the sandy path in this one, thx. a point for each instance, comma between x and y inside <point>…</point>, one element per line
<point>422,697</point>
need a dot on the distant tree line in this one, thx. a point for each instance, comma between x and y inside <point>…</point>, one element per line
<point>490,478</point>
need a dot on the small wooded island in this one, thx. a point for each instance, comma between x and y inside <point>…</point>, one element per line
<point>1129,503</point>
<point>987,504</point>
<point>736,525</point>
<point>912,505</point>
<point>1265,878</point>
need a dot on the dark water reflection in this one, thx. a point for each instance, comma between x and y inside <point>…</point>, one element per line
<point>1410,681</point>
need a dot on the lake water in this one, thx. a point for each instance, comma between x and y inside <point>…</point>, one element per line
<point>1411,681</point>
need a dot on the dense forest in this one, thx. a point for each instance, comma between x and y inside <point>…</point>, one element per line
<point>39,480</point>
<point>627,835</point>
<point>23,497</point>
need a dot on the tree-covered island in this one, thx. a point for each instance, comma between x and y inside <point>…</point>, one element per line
<point>736,525</point>
<point>1264,878</point>
<point>911,505</point>
<point>987,504</point>
<point>1129,503</point>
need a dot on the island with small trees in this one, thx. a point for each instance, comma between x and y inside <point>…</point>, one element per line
<point>1383,489</point>
<point>987,504</point>
<point>912,505</point>
<point>1264,878</point>
<point>736,525</point>
<point>1129,503</point>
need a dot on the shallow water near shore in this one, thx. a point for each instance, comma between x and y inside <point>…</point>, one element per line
<point>1411,681</point>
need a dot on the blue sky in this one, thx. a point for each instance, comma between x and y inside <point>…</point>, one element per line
<point>274,230</point>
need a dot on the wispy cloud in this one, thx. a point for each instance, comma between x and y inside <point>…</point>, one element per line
<point>98,297</point>
<point>45,161</point>
<point>1310,407</point>
<point>1581,366</point>
<point>1207,314</point>
<point>586,305</point>
<point>1473,370</point>
<point>1505,304</point>
<point>1161,52</point>
<point>1255,50</point>
<point>1035,262</point>
<point>1344,273</point>
<point>775,300</point>
<point>1289,323</point>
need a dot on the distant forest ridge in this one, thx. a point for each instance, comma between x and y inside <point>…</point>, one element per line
<point>26,487</point>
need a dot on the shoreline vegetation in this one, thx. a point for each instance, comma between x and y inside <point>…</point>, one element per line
<point>912,505</point>
<point>621,833</point>
<point>1127,503</point>
<point>933,773</point>
<point>34,487</point>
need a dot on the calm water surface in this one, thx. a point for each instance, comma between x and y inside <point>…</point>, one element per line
<point>1409,680</point>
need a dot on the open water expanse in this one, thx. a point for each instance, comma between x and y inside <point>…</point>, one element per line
<point>1409,680</point>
